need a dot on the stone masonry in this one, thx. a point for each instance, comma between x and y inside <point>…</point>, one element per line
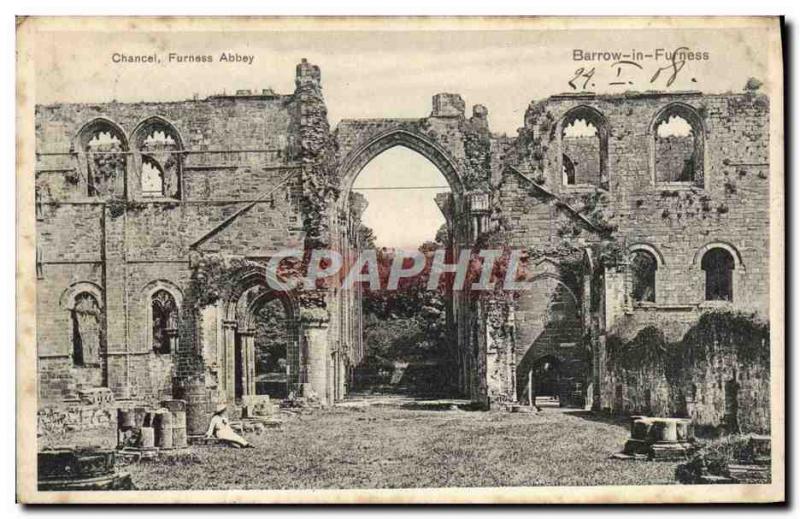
<point>248,175</point>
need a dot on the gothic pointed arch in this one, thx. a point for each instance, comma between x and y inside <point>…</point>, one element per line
<point>163,302</point>
<point>362,154</point>
<point>158,156</point>
<point>677,145</point>
<point>256,352</point>
<point>84,302</point>
<point>582,134</point>
<point>102,151</point>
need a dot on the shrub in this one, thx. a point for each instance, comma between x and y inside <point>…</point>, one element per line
<point>715,458</point>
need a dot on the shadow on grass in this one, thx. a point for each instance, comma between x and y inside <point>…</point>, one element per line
<point>415,401</point>
<point>442,406</point>
<point>592,416</point>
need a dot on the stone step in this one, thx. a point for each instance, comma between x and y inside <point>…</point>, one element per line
<point>709,479</point>
<point>749,473</point>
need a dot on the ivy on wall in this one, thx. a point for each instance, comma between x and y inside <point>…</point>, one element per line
<point>595,207</point>
<point>478,155</point>
<point>717,331</point>
<point>723,344</point>
<point>215,277</point>
<point>119,205</point>
<point>319,182</point>
<point>106,161</point>
<point>531,151</point>
<point>647,350</point>
<point>745,334</point>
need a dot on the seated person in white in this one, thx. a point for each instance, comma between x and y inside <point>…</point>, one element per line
<point>220,428</point>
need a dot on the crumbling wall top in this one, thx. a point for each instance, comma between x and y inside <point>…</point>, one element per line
<point>448,105</point>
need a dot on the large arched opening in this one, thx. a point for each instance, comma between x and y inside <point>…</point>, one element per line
<point>404,198</point>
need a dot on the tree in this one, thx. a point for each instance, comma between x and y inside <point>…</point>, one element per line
<point>408,322</point>
<point>366,237</point>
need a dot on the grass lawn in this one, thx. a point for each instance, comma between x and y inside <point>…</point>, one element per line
<point>391,447</point>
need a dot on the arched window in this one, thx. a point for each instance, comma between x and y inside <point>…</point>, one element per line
<point>102,149</point>
<point>718,265</point>
<point>159,148</point>
<point>152,177</point>
<point>643,267</point>
<point>567,171</point>
<point>165,321</point>
<point>678,145</point>
<point>86,330</point>
<point>584,147</point>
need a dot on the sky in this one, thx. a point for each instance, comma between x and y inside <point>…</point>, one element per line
<point>391,212</point>
<point>388,71</point>
<point>391,73</point>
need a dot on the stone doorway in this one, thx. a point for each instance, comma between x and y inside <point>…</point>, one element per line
<point>401,169</point>
<point>546,377</point>
<point>260,350</point>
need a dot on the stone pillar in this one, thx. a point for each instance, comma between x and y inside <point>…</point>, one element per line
<point>333,376</point>
<point>115,356</point>
<point>172,333</point>
<point>590,326</point>
<point>479,214</point>
<point>499,352</point>
<point>343,372</point>
<point>210,346</point>
<point>248,361</point>
<point>315,350</point>
<point>615,297</point>
<point>316,338</point>
<point>228,361</point>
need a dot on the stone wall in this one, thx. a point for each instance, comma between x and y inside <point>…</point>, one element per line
<point>731,206</point>
<point>261,173</point>
<point>236,150</point>
<point>584,154</point>
<point>674,158</point>
<point>727,207</point>
<point>87,421</point>
<point>717,373</point>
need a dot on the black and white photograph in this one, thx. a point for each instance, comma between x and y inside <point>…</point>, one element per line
<point>310,260</point>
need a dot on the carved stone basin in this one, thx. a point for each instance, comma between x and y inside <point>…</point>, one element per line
<point>660,438</point>
<point>66,468</point>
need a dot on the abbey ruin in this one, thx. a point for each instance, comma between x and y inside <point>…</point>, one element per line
<point>644,217</point>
